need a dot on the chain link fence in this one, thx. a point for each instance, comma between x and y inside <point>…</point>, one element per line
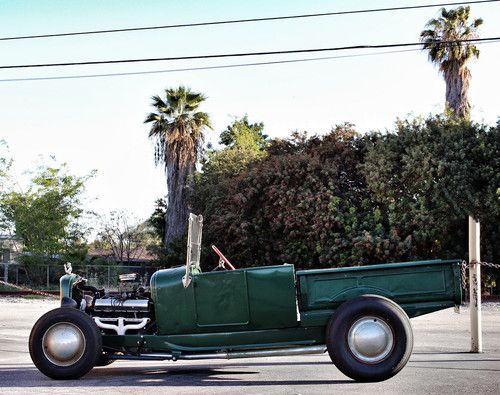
<point>465,268</point>
<point>46,277</point>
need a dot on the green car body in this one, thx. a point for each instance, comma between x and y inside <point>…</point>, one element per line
<point>274,306</point>
<point>360,315</point>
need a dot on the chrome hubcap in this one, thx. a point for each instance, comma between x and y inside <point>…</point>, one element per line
<point>63,344</point>
<point>370,339</point>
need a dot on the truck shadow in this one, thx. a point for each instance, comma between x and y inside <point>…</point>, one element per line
<point>440,353</point>
<point>455,364</point>
<point>225,375</point>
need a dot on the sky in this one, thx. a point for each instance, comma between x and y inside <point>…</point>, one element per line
<point>97,123</point>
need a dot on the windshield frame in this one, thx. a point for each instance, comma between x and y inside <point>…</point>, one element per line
<point>195,230</point>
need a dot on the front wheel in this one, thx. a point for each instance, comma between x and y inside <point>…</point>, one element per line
<point>369,338</point>
<point>65,343</point>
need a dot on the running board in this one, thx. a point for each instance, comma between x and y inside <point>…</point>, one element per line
<point>276,352</point>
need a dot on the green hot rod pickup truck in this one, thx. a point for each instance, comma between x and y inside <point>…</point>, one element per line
<point>359,315</point>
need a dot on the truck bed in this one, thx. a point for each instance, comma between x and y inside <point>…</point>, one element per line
<point>419,287</point>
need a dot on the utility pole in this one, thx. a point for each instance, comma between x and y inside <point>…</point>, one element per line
<point>475,286</point>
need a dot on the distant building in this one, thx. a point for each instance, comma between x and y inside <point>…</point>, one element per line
<point>10,248</point>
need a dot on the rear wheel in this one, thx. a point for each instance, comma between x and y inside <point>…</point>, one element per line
<point>369,338</point>
<point>65,343</point>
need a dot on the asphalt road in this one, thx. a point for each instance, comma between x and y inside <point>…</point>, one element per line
<point>440,364</point>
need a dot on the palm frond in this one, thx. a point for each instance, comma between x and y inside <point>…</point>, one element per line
<point>177,127</point>
<point>450,26</point>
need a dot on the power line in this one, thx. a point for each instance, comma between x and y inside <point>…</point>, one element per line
<point>234,21</point>
<point>226,66</point>
<point>244,54</point>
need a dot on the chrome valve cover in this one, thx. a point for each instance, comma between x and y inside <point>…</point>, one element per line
<point>120,305</point>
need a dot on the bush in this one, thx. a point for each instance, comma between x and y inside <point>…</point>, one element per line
<point>430,175</point>
<point>345,199</point>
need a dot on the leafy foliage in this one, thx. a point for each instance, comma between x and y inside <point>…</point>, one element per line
<point>157,219</point>
<point>245,144</point>
<point>345,199</point>
<point>5,160</point>
<point>177,126</point>
<point>175,255</point>
<point>243,133</point>
<point>451,26</point>
<point>430,175</point>
<point>47,215</point>
<point>5,164</point>
<point>304,203</point>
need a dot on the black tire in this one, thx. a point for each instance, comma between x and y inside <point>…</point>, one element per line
<point>82,343</point>
<point>359,356</point>
<point>104,360</point>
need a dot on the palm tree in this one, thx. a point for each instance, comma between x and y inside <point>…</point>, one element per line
<point>453,58</point>
<point>177,131</point>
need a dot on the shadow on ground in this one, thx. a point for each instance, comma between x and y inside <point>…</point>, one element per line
<point>229,374</point>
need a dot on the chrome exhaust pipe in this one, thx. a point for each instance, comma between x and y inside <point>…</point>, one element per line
<point>143,357</point>
<point>277,352</point>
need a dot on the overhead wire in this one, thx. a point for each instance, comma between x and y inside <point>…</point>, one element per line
<point>215,67</point>
<point>225,66</point>
<point>245,20</point>
<point>243,54</point>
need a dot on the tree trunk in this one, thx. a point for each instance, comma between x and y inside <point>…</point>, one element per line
<point>176,217</point>
<point>457,78</point>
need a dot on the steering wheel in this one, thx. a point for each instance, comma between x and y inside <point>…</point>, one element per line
<point>223,261</point>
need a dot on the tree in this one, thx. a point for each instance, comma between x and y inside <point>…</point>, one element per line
<point>245,144</point>
<point>305,202</point>
<point>124,237</point>
<point>157,219</point>
<point>452,58</point>
<point>177,130</point>
<point>47,215</point>
<point>241,130</point>
<point>5,160</point>
<point>5,164</point>
<point>343,199</point>
<point>429,175</point>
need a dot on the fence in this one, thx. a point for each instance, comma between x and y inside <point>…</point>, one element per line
<point>47,276</point>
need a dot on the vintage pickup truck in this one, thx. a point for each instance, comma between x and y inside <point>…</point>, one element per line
<point>360,315</point>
